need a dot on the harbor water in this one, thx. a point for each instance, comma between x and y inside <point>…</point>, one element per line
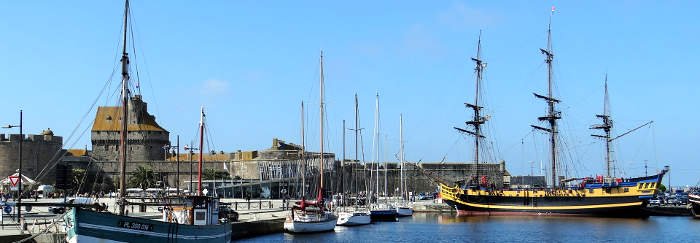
<point>434,227</point>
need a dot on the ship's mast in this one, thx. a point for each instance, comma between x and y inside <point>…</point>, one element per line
<point>552,114</point>
<point>201,155</point>
<point>376,140</point>
<point>606,126</point>
<point>357,130</point>
<point>125,116</point>
<point>401,154</point>
<point>320,195</point>
<point>478,120</point>
<point>303,153</point>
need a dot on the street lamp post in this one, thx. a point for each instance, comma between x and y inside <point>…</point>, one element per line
<point>176,151</point>
<point>191,152</point>
<point>21,140</point>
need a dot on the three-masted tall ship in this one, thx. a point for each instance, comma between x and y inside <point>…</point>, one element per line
<point>606,196</point>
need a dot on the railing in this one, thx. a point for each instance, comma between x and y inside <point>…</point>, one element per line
<point>252,205</point>
<point>448,192</point>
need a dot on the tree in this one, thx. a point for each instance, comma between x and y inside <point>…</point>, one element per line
<point>662,188</point>
<point>143,177</point>
<point>85,181</point>
<point>78,177</point>
<point>212,174</point>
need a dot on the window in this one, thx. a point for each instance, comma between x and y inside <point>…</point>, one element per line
<point>199,215</point>
<point>640,185</point>
<point>627,189</point>
<point>590,190</point>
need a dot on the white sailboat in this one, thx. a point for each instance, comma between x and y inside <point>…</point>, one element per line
<point>355,215</point>
<point>312,216</point>
<point>403,208</point>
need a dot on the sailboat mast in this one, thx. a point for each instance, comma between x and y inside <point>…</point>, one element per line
<point>376,138</point>
<point>125,116</point>
<point>401,154</point>
<point>201,153</point>
<point>352,172</point>
<point>303,153</point>
<point>321,126</point>
<point>342,164</point>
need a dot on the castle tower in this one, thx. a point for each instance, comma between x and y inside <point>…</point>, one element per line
<point>145,137</point>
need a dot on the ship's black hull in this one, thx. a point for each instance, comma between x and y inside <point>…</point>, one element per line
<point>631,211</point>
<point>386,215</point>
<point>617,206</point>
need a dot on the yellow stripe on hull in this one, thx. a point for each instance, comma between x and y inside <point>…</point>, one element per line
<point>553,208</point>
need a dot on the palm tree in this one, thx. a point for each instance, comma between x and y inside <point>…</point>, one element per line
<point>143,177</point>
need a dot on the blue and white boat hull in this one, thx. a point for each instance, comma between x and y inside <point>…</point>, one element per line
<point>90,226</point>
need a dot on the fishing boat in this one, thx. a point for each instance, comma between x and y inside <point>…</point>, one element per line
<point>354,214</point>
<point>606,196</point>
<point>380,211</point>
<point>185,219</point>
<point>312,216</point>
<point>403,208</point>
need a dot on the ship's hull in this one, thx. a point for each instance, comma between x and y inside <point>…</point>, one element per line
<point>694,200</point>
<point>353,219</point>
<point>89,226</point>
<point>613,207</point>
<point>327,224</point>
<point>619,199</point>
<point>404,211</point>
<point>385,215</point>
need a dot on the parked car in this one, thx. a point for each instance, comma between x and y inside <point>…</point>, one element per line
<point>57,210</point>
<point>227,214</point>
<point>425,196</point>
<point>673,201</point>
<point>655,202</point>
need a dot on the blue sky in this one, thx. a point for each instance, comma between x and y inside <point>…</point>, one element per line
<point>251,63</point>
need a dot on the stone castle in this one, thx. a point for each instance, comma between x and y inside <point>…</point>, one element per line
<point>38,151</point>
<point>146,139</point>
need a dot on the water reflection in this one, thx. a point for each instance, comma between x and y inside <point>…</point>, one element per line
<point>435,227</point>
